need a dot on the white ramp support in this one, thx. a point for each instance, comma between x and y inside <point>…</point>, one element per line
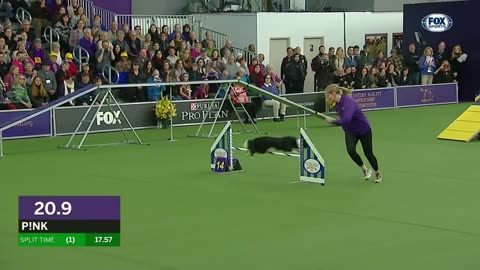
<point>227,85</point>
<point>312,164</point>
<point>106,95</point>
<point>222,147</point>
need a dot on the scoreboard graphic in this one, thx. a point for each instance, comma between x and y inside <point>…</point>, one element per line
<point>69,221</point>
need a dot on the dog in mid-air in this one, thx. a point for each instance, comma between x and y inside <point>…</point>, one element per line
<point>262,145</point>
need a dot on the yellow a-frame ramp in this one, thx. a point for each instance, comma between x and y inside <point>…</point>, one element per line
<point>465,128</point>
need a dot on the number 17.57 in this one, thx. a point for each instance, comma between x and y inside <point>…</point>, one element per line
<point>103,239</point>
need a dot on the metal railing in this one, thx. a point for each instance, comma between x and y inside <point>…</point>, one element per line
<point>110,74</point>
<point>80,55</point>
<point>23,14</point>
<point>144,21</point>
<point>106,16</point>
<point>51,35</point>
<point>218,37</point>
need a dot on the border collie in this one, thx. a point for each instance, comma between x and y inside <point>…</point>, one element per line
<point>262,145</point>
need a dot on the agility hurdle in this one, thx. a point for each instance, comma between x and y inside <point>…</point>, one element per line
<point>311,163</point>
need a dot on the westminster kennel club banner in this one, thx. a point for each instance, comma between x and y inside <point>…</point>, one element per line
<point>36,127</point>
<point>375,99</point>
<point>408,96</point>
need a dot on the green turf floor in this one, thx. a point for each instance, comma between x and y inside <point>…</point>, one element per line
<point>178,215</point>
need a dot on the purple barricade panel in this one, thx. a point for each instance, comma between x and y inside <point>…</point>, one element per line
<point>424,95</point>
<point>375,99</point>
<point>48,107</point>
<point>38,126</point>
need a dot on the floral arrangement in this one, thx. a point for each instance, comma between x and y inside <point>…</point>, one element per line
<point>165,110</point>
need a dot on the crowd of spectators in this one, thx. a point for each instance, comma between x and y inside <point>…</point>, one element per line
<point>363,69</point>
<point>32,76</point>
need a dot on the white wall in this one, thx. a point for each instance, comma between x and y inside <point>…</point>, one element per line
<point>360,23</point>
<point>241,28</point>
<point>154,7</point>
<point>296,26</point>
<point>397,5</point>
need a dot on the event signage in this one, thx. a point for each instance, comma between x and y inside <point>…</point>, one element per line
<point>423,95</point>
<point>37,126</point>
<point>375,99</point>
<point>140,115</point>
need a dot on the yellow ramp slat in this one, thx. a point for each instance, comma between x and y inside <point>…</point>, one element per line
<point>456,135</point>
<point>470,116</point>
<point>465,127</point>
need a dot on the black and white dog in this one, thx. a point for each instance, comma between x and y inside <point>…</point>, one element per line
<point>262,145</point>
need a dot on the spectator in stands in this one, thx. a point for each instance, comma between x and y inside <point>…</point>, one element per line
<point>39,12</point>
<point>154,33</point>
<point>28,30</point>
<point>427,66</point>
<point>349,77</point>
<point>148,68</point>
<point>382,78</point>
<point>84,69</point>
<point>4,101</point>
<point>443,74</point>
<point>372,77</point>
<point>201,92</point>
<point>295,73</point>
<point>85,82</point>
<point>196,50</point>
<point>279,109</point>
<point>72,8</point>
<point>404,77</point>
<point>339,78</point>
<point>366,58</point>
<point>136,76</point>
<point>185,90</point>
<point>56,49</point>
<point>186,32</point>
<point>120,41</point>
<point>155,93</point>
<point>37,53</point>
<point>276,80</point>
<point>77,34</point>
<point>202,67</point>
<point>49,80</point>
<point>158,60</point>
<point>89,44</point>
<point>441,53</point>
<point>457,60</point>
<point>323,69</point>
<point>350,60</point>
<point>72,67</point>
<point>61,75</point>
<point>380,61</point>
<point>396,59</point>
<point>54,8</point>
<point>104,56</point>
<point>113,32</point>
<point>231,66</point>
<point>242,63</point>
<point>142,58</point>
<point>77,15</point>
<point>363,80</point>
<point>208,36</point>
<point>19,96</point>
<point>38,94</point>
<point>239,96</point>
<point>338,61</point>
<point>10,42</point>
<point>97,21</point>
<point>392,74</point>
<point>193,39</point>
<point>256,76</point>
<point>103,36</point>
<point>4,66</point>
<point>10,79</point>
<point>412,62</point>
<point>29,73</point>
<point>134,44</point>
<point>67,88</point>
<point>54,67</point>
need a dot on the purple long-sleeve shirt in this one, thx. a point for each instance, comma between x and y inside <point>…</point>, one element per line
<point>352,119</point>
<point>89,45</point>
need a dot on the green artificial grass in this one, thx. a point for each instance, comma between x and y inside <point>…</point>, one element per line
<point>178,215</point>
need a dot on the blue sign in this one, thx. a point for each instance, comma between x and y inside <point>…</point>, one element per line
<point>437,22</point>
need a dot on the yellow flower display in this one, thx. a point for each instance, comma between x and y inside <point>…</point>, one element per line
<point>165,109</point>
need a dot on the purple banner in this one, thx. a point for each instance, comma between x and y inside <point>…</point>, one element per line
<point>123,7</point>
<point>423,95</point>
<point>40,125</point>
<point>69,208</point>
<point>375,99</point>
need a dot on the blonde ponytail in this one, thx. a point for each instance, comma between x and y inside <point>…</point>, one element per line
<point>334,88</point>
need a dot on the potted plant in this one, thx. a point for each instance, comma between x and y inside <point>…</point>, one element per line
<point>165,110</point>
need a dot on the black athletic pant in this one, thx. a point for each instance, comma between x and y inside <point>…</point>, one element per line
<point>366,141</point>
